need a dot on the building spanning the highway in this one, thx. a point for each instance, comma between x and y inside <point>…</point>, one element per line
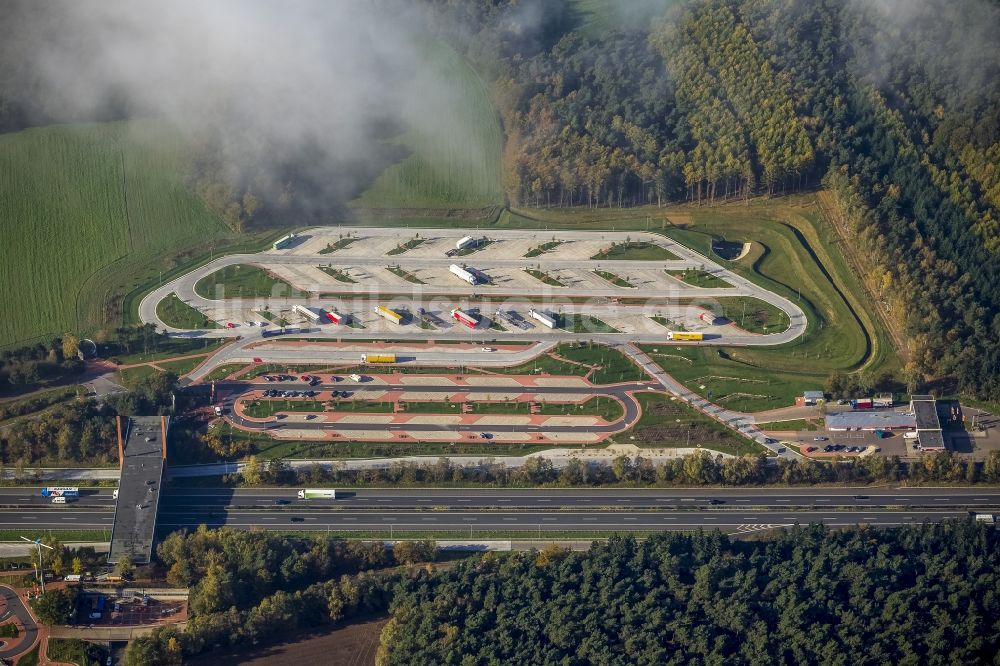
<point>142,454</point>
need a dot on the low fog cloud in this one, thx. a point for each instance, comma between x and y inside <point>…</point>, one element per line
<point>270,80</point>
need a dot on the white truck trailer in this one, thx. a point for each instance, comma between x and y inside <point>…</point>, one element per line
<point>317,493</point>
<point>545,319</point>
<point>463,274</point>
<point>310,313</point>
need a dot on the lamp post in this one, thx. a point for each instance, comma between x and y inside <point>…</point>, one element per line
<point>38,570</point>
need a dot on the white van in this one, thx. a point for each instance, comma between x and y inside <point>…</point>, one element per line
<point>114,495</point>
<point>910,435</point>
<point>59,500</point>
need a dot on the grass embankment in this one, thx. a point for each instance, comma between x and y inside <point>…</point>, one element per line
<point>699,279</point>
<point>582,323</point>
<point>171,348</point>
<point>65,536</point>
<point>616,280</point>
<point>8,630</point>
<point>612,366</point>
<point>793,425</point>
<point>175,313</point>
<point>338,274</point>
<point>636,251</point>
<point>456,164</point>
<point>713,374</point>
<point>239,281</point>
<point>544,277</point>
<point>224,371</point>
<point>672,424</point>
<point>101,210</point>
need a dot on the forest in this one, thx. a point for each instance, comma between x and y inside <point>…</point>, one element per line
<point>921,595</point>
<point>892,108</point>
<point>925,594</point>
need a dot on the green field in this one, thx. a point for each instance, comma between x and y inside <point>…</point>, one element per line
<point>182,366</point>
<point>596,17</point>
<point>239,281</point>
<point>174,312</point>
<point>729,383</point>
<point>99,208</point>
<point>456,163</point>
<point>751,314</point>
<point>670,423</point>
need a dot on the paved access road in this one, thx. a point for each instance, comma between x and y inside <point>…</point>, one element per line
<point>14,607</point>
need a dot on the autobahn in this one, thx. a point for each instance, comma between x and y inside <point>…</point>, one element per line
<point>24,506</point>
<point>329,519</point>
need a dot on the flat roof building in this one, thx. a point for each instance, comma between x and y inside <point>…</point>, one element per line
<point>142,452</point>
<point>929,435</point>
<point>868,420</point>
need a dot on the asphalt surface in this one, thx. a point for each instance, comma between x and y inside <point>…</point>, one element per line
<point>236,390</point>
<point>14,499</point>
<point>323,518</point>
<point>183,286</point>
<point>15,608</point>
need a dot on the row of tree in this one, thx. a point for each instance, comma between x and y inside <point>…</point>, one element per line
<point>695,469</point>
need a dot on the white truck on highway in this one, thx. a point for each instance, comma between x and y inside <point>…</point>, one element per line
<point>317,493</point>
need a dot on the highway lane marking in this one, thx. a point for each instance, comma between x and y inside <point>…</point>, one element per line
<point>464,500</point>
<point>822,500</point>
<point>67,518</point>
<point>268,518</point>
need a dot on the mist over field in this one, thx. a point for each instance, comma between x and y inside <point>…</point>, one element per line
<point>279,96</point>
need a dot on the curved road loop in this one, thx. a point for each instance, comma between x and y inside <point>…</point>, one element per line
<point>184,288</point>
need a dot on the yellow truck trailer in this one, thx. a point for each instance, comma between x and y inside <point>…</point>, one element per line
<point>391,315</point>
<point>683,336</point>
<point>378,358</point>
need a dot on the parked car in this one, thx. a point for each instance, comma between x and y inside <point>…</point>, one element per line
<point>820,439</point>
